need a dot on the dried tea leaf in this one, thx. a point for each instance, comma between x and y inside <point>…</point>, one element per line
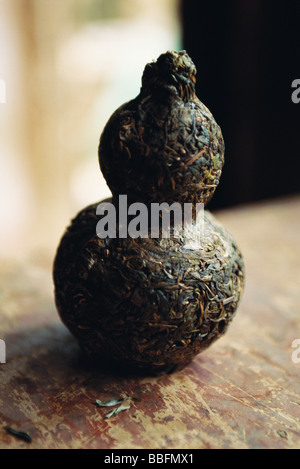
<point>110,403</point>
<point>117,410</point>
<point>18,434</point>
<point>282,433</point>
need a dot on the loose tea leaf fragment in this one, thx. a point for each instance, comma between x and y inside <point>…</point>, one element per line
<point>18,434</point>
<point>110,403</point>
<point>116,411</point>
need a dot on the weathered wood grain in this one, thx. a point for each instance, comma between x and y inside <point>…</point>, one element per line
<point>243,392</point>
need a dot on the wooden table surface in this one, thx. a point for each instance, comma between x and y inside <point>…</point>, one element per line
<point>243,392</point>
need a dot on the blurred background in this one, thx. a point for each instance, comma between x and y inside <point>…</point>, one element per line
<point>65,66</point>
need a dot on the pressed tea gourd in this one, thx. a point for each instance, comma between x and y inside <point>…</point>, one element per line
<point>153,303</point>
